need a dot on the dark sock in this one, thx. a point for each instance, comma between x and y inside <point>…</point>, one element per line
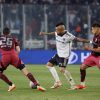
<point>5,79</point>
<point>31,78</point>
<point>83,74</point>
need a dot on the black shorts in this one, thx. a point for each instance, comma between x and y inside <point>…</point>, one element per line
<point>56,60</point>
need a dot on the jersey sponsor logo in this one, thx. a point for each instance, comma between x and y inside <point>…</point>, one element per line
<point>73,58</point>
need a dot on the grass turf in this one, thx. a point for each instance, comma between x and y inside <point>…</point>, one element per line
<point>23,91</point>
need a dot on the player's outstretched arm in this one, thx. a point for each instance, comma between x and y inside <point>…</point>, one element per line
<point>92,49</point>
<point>44,33</point>
<point>83,40</point>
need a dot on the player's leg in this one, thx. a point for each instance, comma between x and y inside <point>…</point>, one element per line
<point>68,77</point>
<point>3,65</point>
<point>29,75</point>
<point>54,73</point>
<point>16,61</point>
<point>62,64</point>
<point>31,78</point>
<point>83,68</point>
<point>50,66</point>
<point>6,80</point>
<point>89,62</point>
<point>97,60</point>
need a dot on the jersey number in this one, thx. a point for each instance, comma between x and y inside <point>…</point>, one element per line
<point>6,42</point>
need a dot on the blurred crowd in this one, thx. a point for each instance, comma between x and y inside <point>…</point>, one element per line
<point>82,2</point>
<point>77,18</point>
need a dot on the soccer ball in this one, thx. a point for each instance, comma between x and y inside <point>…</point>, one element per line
<point>32,85</point>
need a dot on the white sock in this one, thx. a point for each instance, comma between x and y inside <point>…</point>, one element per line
<point>69,78</point>
<point>54,73</point>
<point>83,83</point>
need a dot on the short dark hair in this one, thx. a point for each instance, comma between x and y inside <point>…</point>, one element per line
<point>6,31</point>
<point>60,23</point>
<point>96,24</point>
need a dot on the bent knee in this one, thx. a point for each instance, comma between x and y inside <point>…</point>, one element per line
<point>62,70</point>
<point>83,67</point>
<point>21,66</point>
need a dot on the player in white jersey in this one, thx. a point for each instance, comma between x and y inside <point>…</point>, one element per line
<point>63,44</point>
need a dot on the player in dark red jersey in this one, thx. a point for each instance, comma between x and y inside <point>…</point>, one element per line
<point>9,48</point>
<point>94,58</point>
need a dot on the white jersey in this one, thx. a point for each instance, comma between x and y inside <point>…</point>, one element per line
<point>64,44</point>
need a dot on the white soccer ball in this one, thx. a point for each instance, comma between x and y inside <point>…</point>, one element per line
<point>31,84</point>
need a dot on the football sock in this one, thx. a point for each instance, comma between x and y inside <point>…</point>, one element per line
<point>54,73</point>
<point>31,78</point>
<point>82,74</point>
<point>83,83</point>
<point>69,77</point>
<point>5,79</point>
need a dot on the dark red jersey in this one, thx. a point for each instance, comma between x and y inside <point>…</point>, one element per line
<point>96,44</point>
<point>8,44</point>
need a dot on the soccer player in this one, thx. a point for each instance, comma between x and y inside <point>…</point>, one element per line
<point>63,44</point>
<point>9,48</point>
<point>94,58</point>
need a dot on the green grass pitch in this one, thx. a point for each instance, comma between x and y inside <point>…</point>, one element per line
<point>23,91</point>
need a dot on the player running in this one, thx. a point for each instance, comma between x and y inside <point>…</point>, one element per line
<point>63,44</point>
<point>94,58</point>
<point>9,48</point>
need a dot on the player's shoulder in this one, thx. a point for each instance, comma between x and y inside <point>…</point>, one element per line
<point>1,35</point>
<point>67,33</point>
<point>8,36</point>
<point>13,37</point>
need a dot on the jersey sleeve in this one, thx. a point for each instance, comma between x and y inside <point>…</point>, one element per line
<point>71,36</point>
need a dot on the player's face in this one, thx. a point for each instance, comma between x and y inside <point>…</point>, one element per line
<point>95,30</point>
<point>60,29</point>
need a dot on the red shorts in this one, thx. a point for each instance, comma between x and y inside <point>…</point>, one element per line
<point>92,61</point>
<point>12,59</point>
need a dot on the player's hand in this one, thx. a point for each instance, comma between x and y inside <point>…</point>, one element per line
<point>86,47</point>
<point>42,33</point>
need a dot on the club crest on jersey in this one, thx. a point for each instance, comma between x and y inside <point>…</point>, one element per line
<point>63,39</point>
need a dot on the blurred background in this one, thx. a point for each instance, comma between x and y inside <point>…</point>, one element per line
<point>26,18</point>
